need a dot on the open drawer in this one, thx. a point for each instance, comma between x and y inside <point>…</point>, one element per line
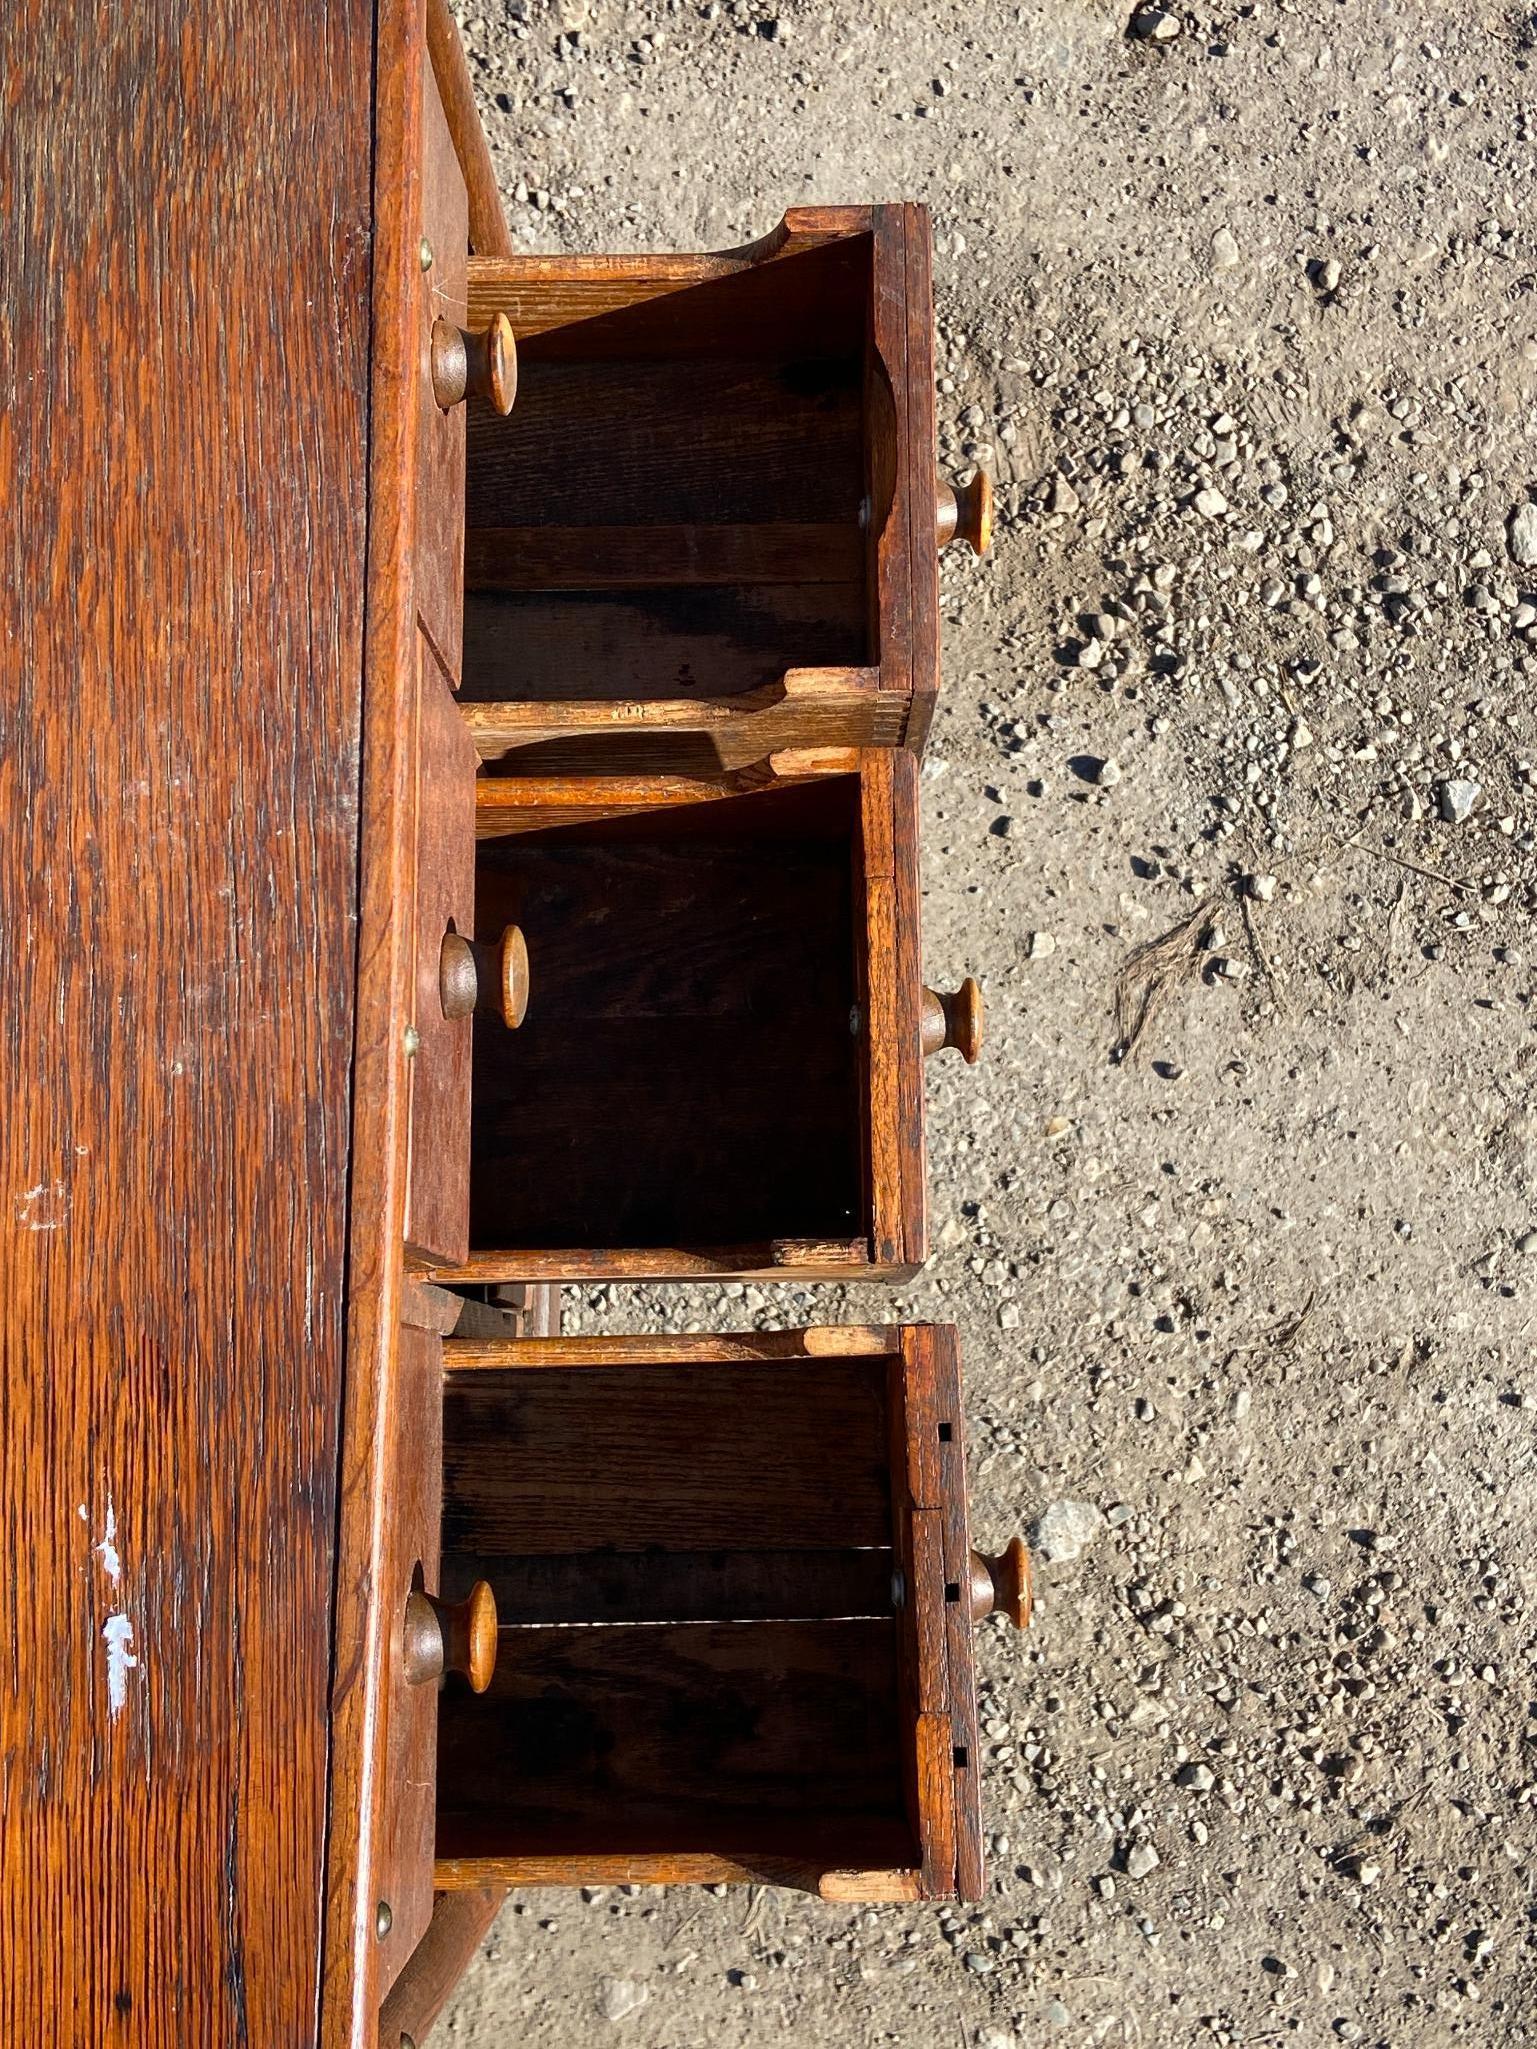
<point>720,1068</point>
<point>708,528</point>
<point>735,1594</point>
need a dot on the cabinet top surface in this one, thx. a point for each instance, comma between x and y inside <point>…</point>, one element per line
<point>183,445</point>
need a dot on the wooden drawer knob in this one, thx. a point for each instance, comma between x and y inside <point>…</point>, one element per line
<point>490,977</point>
<point>484,363</point>
<point>1001,1585</point>
<point>954,1020</point>
<point>451,1636</point>
<point>966,513</point>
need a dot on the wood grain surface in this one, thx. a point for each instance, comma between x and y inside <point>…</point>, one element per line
<point>183,419</point>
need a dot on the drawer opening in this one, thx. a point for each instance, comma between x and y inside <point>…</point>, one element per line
<point>690,1070</point>
<point>699,1669</point>
<point>677,542</point>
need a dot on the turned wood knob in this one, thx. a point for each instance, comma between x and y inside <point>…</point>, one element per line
<point>1001,1585</point>
<point>502,966</point>
<point>451,1636</point>
<point>954,1020</point>
<point>966,513</point>
<point>458,982</point>
<point>485,363</point>
<point>490,977</point>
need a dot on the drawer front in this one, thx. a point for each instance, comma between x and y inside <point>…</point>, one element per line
<point>403,1872</point>
<point>437,1203</point>
<point>440,434</point>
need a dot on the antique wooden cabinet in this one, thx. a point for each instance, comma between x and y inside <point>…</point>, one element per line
<point>460,772</point>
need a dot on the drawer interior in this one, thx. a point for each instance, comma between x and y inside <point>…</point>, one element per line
<point>699,1657</point>
<point>685,503</point>
<point>690,1071</point>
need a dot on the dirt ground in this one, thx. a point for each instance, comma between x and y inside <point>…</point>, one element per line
<point>1243,318</point>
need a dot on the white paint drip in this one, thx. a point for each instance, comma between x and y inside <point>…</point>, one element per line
<point>117,1632</point>
<point>43,1208</point>
<point>107,1550</point>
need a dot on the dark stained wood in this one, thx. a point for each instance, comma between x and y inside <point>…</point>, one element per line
<point>439,298</point>
<point>679,1585</point>
<point>663,1736</point>
<point>921,653</point>
<point>667,1521</point>
<point>460,1923</point>
<point>375,1845</point>
<point>802,279</point>
<point>555,558</point>
<point>707,484</point>
<point>488,231</point>
<point>682,971</point>
<point>181,603</point>
<point>782,1454</point>
<point>844,1857</point>
<point>412,1489</point>
<point>678,984</point>
<point>442,899</point>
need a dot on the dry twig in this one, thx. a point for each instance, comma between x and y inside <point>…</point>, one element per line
<point>1150,974</point>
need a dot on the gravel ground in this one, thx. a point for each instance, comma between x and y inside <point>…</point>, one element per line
<point>1242,314</point>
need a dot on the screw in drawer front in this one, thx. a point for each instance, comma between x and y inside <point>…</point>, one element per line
<point>483,364</point>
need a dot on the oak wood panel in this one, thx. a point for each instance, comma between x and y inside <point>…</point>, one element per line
<point>544,294</point>
<point>460,1923</point>
<point>827,989</point>
<point>695,554</point>
<point>777,1260</point>
<point>787,1454</point>
<point>676,1585</point>
<point>685,1735</point>
<point>856,1858</point>
<point>471,1352</point>
<point>488,230</point>
<point>695,990</point>
<point>442,895</point>
<point>365,1841</point>
<point>730,442</point>
<point>816,707</point>
<point>181,601</point>
<point>921,652</point>
<point>414,1491</point>
<point>440,480</point>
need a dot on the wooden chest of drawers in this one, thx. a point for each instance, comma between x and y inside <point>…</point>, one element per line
<point>465,835</point>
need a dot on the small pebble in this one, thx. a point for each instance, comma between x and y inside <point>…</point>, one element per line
<point>1457,799</point>
<point>1154,25</point>
<point>1521,533</point>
